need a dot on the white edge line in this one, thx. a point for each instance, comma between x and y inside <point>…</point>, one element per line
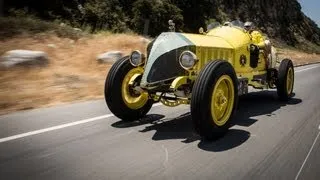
<point>40,131</point>
<point>304,162</point>
<point>54,128</point>
<point>301,70</point>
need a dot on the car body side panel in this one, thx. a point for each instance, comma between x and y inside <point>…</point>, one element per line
<point>227,43</point>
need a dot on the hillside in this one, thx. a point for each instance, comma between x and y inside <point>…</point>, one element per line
<point>282,20</point>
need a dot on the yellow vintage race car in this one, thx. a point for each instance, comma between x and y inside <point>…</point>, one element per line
<point>209,71</point>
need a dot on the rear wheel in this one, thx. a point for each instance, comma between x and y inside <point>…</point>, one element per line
<point>122,100</point>
<point>285,80</point>
<point>214,99</point>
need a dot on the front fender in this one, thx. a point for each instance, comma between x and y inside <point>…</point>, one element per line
<point>178,82</point>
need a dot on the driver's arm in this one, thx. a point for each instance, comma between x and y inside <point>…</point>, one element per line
<point>261,41</point>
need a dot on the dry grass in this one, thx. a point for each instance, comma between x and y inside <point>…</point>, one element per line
<point>298,57</point>
<point>73,73</point>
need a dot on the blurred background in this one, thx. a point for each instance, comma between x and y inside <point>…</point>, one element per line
<point>60,51</point>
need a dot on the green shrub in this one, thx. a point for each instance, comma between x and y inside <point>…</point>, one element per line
<point>13,26</point>
<point>104,15</point>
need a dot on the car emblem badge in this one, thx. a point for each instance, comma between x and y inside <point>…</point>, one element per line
<point>243,60</point>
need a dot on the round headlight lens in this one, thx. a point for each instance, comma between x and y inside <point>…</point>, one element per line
<point>136,58</point>
<point>187,59</point>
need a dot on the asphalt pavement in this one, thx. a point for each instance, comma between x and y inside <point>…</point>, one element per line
<point>269,140</point>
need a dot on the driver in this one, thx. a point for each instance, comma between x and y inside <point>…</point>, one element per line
<point>248,26</point>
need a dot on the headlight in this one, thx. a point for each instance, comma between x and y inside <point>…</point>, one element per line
<point>136,58</point>
<point>187,60</point>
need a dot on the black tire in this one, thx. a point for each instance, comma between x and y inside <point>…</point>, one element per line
<point>282,91</point>
<point>201,99</point>
<point>113,96</point>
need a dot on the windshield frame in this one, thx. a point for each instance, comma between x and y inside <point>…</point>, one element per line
<point>237,23</point>
<point>213,25</point>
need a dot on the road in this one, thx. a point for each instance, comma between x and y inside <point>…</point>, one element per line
<point>269,140</point>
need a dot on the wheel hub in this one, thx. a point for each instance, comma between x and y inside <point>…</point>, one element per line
<point>132,98</point>
<point>289,80</point>
<point>222,100</point>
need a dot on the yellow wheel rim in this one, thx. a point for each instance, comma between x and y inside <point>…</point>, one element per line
<point>290,80</point>
<point>132,100</point>
<point>222,100</point>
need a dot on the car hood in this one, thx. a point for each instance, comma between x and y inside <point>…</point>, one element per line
<point>163,58</point>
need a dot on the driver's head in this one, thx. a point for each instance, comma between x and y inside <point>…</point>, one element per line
<point>248,26</point>
<point>227,23</point>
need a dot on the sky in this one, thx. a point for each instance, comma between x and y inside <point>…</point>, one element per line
<point>311,8</point>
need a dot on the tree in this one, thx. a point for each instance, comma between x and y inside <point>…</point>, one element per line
<point>1,8</point>
<point>196,12</point>
<point>103,14</point>
<point>158,12</point>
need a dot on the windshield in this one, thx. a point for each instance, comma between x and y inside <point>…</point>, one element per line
<point>213,25</point>
<point>237,23</point>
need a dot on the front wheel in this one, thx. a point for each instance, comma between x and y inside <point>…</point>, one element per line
<point>121,98</point>
<point>285,80</point>
<point>214,99</point>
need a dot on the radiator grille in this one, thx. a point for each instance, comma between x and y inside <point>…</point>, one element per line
<point>206,54</point>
